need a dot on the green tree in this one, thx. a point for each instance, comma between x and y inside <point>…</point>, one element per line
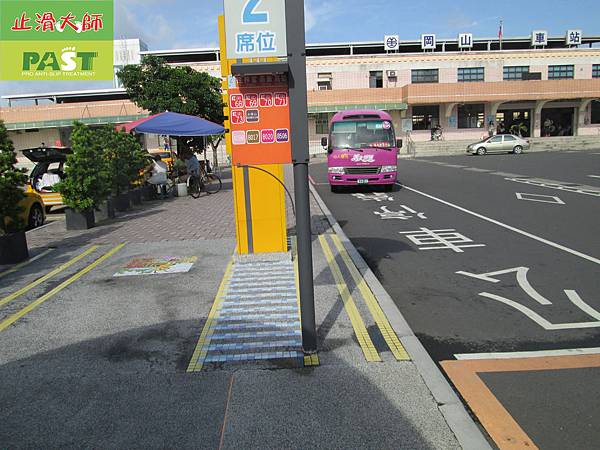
<point>158,87</point>
<point>87,175</point>
<point>11,186</point>
<point>126,160</point>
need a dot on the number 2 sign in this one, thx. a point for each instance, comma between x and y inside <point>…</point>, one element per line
<point>255,28</point>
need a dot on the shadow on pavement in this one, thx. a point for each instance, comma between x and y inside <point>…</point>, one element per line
<point>379,249</point>
<point>128,390</point>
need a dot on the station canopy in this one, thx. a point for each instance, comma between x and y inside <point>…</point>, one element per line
<point>175,124</point>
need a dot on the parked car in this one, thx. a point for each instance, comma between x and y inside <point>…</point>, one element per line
<point>48,171</point>
<point>33,214</point>
<point>501,143</point>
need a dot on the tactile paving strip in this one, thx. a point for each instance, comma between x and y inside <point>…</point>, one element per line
<point>255,319</point>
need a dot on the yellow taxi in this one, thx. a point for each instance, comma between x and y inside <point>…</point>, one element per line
<point>33,213</point>
<point>48,170</point>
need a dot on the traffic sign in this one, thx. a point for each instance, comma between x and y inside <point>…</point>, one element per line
<point>255,28</point>
<point>260,122</point>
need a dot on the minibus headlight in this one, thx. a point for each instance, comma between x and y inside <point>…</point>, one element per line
<point>337,170</point>
<point>387,169</point>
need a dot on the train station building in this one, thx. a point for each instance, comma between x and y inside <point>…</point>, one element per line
<point>518,85</point>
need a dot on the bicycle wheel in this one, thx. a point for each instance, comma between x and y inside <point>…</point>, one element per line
<point>212,183</point>
<point>194,187</point>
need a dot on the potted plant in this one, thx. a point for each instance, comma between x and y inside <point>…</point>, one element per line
<point>121,156</point>
<point>13,243</point>
<point>137,163</point>
<point>519,129</point>
<point>87,178</point>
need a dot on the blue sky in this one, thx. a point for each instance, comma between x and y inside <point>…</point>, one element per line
<point>165,24</point>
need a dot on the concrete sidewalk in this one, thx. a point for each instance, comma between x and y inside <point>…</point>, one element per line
<point>102,363</point>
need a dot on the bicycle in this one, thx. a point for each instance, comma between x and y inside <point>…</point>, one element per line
<point>207,182</point>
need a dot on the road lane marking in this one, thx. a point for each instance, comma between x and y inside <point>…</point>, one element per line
<point>521,279</point>
<point>201,349</point>
<point>366,344</point>
<point>539,198</point>
<point>46,277</point>
<point>529,354</point>
<point>26,263</point>
<point>561,186</point>
<point>476,169</point>
<point>594,176</point>
<point>508,227</point>
<point>543,322</point>
<point>495,418</point>
<point>381,320</point>
<point>13,318</point>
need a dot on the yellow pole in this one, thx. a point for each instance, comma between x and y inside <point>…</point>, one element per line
<point>260,215</point>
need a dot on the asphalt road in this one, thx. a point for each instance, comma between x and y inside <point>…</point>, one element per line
<point>496,217</point>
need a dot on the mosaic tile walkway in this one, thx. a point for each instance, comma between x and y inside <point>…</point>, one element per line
<point>255,318</point>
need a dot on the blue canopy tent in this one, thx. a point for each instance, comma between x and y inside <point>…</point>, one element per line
<point>179,125</point>
<point>175,124</point>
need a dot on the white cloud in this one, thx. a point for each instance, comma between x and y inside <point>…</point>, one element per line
<point>316,14</point>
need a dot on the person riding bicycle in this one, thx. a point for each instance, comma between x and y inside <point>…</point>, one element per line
<point>192,164</point>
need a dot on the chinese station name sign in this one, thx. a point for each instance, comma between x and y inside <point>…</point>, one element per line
<point>255,28</point>
<point>259,115</point>
<point>57,40</point>
<point>428,41</point>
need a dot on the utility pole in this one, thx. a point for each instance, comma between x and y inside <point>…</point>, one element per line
<point>296,45</point>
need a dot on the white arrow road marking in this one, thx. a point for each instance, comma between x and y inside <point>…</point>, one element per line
<point>521,279</point>
<point>539,319</point>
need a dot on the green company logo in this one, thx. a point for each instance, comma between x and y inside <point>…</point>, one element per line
<point>59,40</point>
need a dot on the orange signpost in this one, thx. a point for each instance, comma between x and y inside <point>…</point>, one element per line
<point>260,119</point>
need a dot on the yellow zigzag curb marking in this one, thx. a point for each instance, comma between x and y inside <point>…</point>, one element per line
<point>201,351</point>
<point>380,318</point>
<point>13,318</point>
<point>360,330</point>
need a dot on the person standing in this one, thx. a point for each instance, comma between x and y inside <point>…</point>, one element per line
<point>158,177</point>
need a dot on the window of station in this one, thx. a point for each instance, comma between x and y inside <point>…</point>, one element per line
<point>595,111</point>
<point>324,81</point>
<point>322,123</point>
<point>425,76</point>
<point>425,117</point>
<point>466,74</point>
<point>515,72</point>
<point>596,71</point>
<point>561,72</point>
<point>471,116</point>
<point>376,79</point>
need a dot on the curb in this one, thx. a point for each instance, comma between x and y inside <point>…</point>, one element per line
<point>467,433</point>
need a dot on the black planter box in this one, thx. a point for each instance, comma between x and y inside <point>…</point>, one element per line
<point>13,248</point>
<point>148,193</point>
<point>79,220</point>
<point>122,202</point>
<point>106,210</point>
<point>136,196</point>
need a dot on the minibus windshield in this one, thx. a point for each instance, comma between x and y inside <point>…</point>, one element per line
<point>362,134</point>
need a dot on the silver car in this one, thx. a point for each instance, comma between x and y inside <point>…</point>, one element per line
<point>501,143</point>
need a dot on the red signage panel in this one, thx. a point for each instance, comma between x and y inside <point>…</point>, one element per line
<point>260,120</point>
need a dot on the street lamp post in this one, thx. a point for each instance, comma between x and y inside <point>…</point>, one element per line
<point>296,46</point>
